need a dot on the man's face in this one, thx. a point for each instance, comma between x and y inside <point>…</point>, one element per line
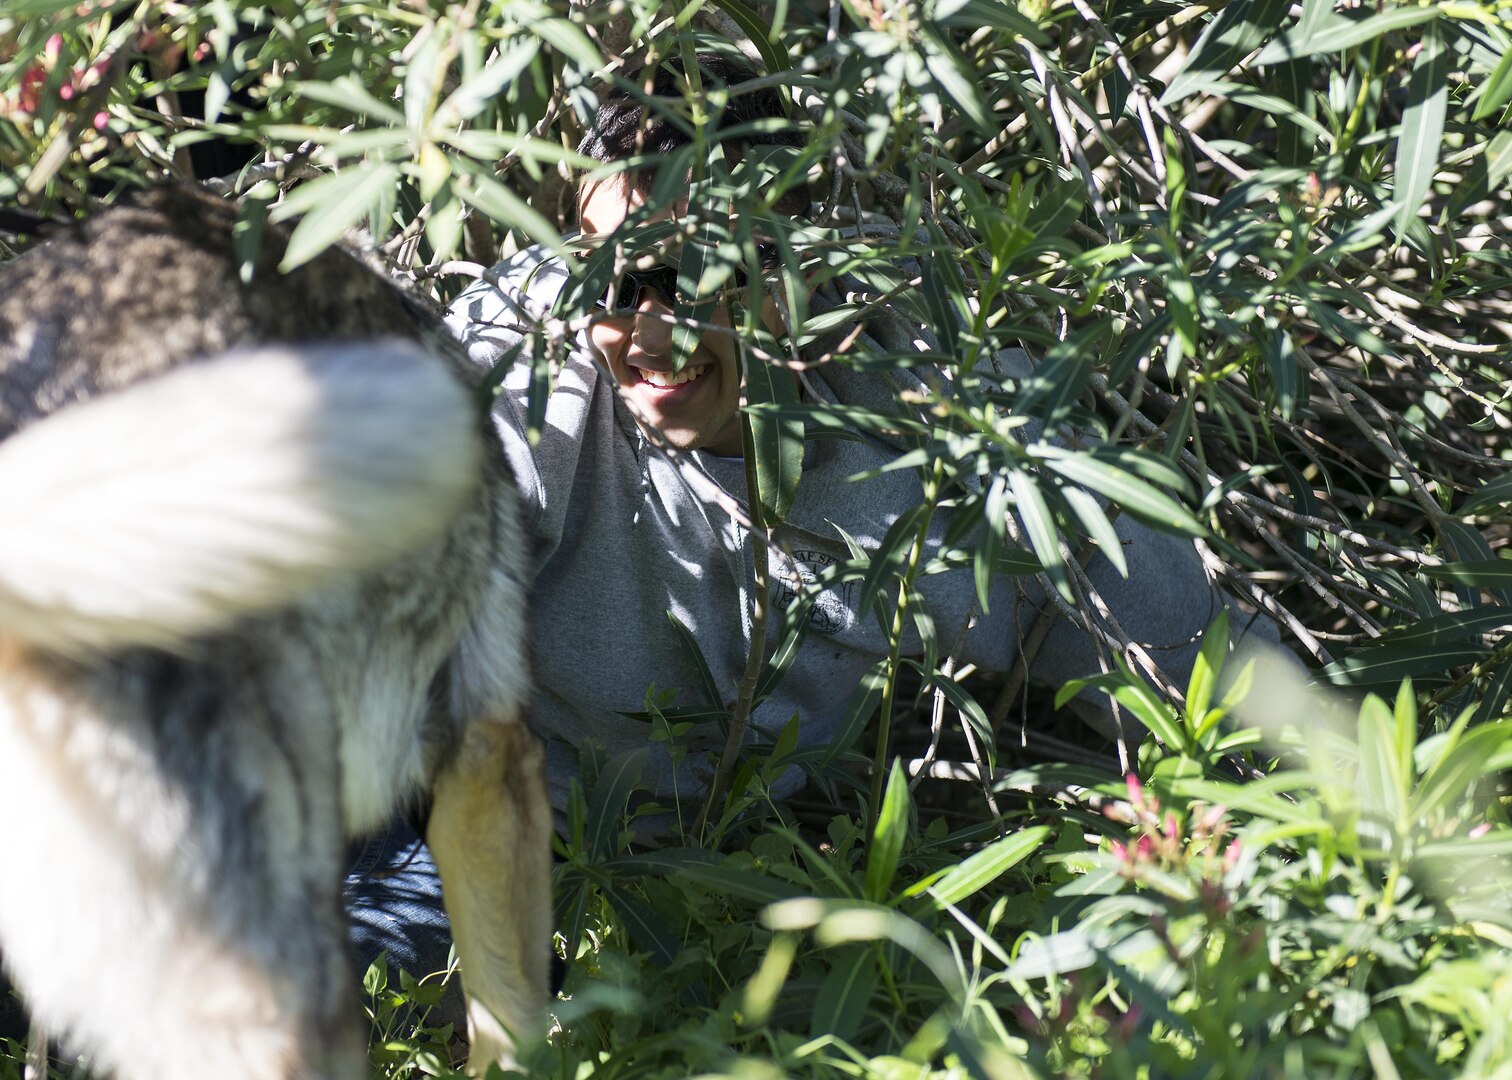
<point>697,409</point>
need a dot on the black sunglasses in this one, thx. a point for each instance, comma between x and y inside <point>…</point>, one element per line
<point>630,291</point>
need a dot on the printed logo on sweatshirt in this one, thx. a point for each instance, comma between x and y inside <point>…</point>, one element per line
<point>831,612</point>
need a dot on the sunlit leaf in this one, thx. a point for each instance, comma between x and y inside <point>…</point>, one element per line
<point>1422,127</point>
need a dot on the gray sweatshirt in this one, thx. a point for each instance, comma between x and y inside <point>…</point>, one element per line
<point>622,539</point>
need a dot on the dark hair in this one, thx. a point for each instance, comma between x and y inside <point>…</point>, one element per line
<point>627,127</point>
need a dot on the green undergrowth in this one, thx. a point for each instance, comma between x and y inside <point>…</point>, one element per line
<point>1318,892</point>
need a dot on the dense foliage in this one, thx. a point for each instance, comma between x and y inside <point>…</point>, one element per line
<point>1261,250</point>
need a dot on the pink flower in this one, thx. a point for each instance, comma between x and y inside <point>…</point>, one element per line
<point>1480,830</point>
<point>101,119</point>
<point>1136,790</point>
<point>1231,855</point>
<point>1118,851</point>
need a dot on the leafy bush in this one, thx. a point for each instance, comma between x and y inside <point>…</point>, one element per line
<point>1262,256</point>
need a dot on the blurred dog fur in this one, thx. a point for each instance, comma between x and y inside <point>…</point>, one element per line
<point>260,585</point>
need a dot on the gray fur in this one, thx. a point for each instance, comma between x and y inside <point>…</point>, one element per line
<point>181,816</point>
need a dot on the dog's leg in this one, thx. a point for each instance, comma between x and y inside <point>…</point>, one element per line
<point>490,833</point>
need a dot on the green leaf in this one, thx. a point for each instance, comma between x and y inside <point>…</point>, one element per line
<point>1498,693</point>
<point>1034,512</point>
<point>479,90</point>
<point>333,204</point>
<point>774,56</point>
<point>859,708</point>
<point>611,798</point>
<point>1343,31</point>
<point>980,13</point>
<point>502,205</point>
<point>1234,34</point>
<point>1206,669</point>
<point>1422,127</point>
<point>695,658</point>
<point>1286,378</point>
<point>1131,691</point>
<point>1480,573</point>
<point>992,539</point>
<point>1055,954</point>
<point>705,868</point>
<point>1498,159</point>
<point>647,929</point>
<point>956,78</point>
<point>1493,494</point>
<point>970,709</point>
<point>1390,662</point>
<point>889,556</point>
<point>841,1001</point>
<point>1095,521</point>
<point>888,835</point>
<point>348,93</point>
<point>1144,501</point>
<point>982,868</point>
<point>1462,762</point>
<point>1496,90</point>
<point>1382,789</point>
<point>776,439</point>
<point>568,39</point>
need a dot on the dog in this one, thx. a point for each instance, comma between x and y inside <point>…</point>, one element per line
<point>260,586</point>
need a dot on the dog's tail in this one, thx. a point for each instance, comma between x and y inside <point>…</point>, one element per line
<point>225,489</point>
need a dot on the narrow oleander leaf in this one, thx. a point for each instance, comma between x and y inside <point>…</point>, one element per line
<point>332,205</point>
<point>1479,573</point>
<point>888,834</point>
<point>774,55</point>
<point>992,539</point>
<point>1095,521</point>
<point>1034,512</point>
<point>570,40</point>
<point>1286,376</point>
<point>1239,29</point>
<point>953,74</point>
<point>1493,494</point>
<point>776,438</point>
<point>1422,126</point>
<point>1207,668</point>
<point>1465,761</point>
<point>982,868</point>
<point>1496,91</point>
<point>858,710</point>
<point>693,654</point>
<point>887,560</point>
<point>611,798</point>
<point>648,929</point>
<point>1338,32</point>
<point>1143,500</point>
<point>706,868</point>
<point>841,1001</point>
<point>479,90</point>
<point>507,209</point>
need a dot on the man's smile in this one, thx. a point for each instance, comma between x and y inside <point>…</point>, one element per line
<point>666,380</point>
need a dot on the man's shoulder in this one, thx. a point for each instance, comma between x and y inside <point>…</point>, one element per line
<point>512,299</point>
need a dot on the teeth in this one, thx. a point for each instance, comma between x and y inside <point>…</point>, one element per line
<point>667,378</point>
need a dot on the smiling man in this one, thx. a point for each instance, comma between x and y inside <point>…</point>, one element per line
<point>627,534</point>
<point>697,408</point>
<point>627,531</point>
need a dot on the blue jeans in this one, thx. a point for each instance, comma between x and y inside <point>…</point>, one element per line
<point>393,899</point>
